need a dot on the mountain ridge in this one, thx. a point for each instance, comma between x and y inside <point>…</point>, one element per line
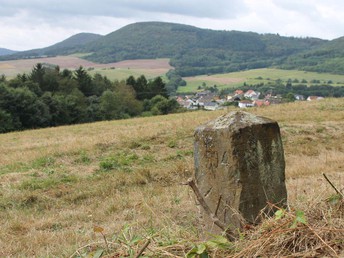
<point>5,51</point>
<point>195,51</point>
<point>68,46</point>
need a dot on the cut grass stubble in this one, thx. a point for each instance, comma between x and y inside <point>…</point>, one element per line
<point>55,186</point>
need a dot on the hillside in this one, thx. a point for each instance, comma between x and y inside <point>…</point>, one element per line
<point>327,58</point>
<point>68,46</point>
<point>5,51</point>
<point>195,51</point>
<point>72,44</point>
<point>61,186</point>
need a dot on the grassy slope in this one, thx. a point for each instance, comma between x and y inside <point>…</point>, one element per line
<point>151,68</point>
<point>58,183</point>
<point>122,73</point>
<point>250,77</point>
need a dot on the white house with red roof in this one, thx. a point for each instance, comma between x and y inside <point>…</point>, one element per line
<point>245,103</point>
<point>311,98</point>
<point>251,94</point>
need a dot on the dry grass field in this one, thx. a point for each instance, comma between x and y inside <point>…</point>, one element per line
<point>104,189</point>
<point>119,70</point>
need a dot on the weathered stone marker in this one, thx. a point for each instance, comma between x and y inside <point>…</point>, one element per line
<point>239,167</point>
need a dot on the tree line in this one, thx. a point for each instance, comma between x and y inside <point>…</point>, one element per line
<point>49,97</point>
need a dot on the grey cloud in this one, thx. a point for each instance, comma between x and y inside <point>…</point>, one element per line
<point>126,8</point>
<point>49,20</point>
<point>304,8</point>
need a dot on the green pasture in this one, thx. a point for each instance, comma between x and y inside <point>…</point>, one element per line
<point>256,76</point>
<point>192,85</point>
<point>123,73</point>
<point>81,55</point>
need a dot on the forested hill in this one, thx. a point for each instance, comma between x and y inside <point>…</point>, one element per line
<point>195,51</point>
<point>326,58</point>
<point>5,51</point>
<point>71,45</point>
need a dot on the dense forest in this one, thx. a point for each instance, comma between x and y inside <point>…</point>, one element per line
<point>195,51</point>
<point>327,58</point>
<point>50,97</point>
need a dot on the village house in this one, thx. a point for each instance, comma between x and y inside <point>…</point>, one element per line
<point>261,103</point>
<point>274,100</point>
<point>230,97</point>
<point>211,106</point>
<point>187,103</point>
<point>312,98</point>
<point>251,94</point>
<point>299,97</point>
<point>238,95</point>
<point>208,100</point>
<point>238,92</point>
<point>205,99</point>
<point>204,93</point>
<point>245,103</point>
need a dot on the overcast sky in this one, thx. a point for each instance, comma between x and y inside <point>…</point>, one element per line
<point>28,24</point>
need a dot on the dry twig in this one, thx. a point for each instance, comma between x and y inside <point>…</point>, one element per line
<point>143,248</point>
<point>337,191</point>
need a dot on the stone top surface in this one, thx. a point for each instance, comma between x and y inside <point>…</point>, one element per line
<point>235,120</point>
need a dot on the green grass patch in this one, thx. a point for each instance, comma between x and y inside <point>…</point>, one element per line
<point>43,162</point>
<point>39,183</point>
<point>83,158</point>
<point>81,55</point>
<point>123,73</point>
<point>15,167</point>
<point>19,167</point>
<point>138,144</point>
<point>119,161</point>
<point>256,76</point>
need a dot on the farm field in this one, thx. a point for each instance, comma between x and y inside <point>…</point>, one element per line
<point>256,76</point>
<point>120,70</point>
<point>152,68</point>
<point>64,189</point>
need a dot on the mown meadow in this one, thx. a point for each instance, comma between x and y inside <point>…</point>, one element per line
<point>259,76</point>
<point>110,188</point>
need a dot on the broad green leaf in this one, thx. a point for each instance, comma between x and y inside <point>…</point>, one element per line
<point>279,214</point>
<point>300,217</point>
<point>219,242</point>
<point>201,249</point>
<point>204,255</point>
<point>192,253</point>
